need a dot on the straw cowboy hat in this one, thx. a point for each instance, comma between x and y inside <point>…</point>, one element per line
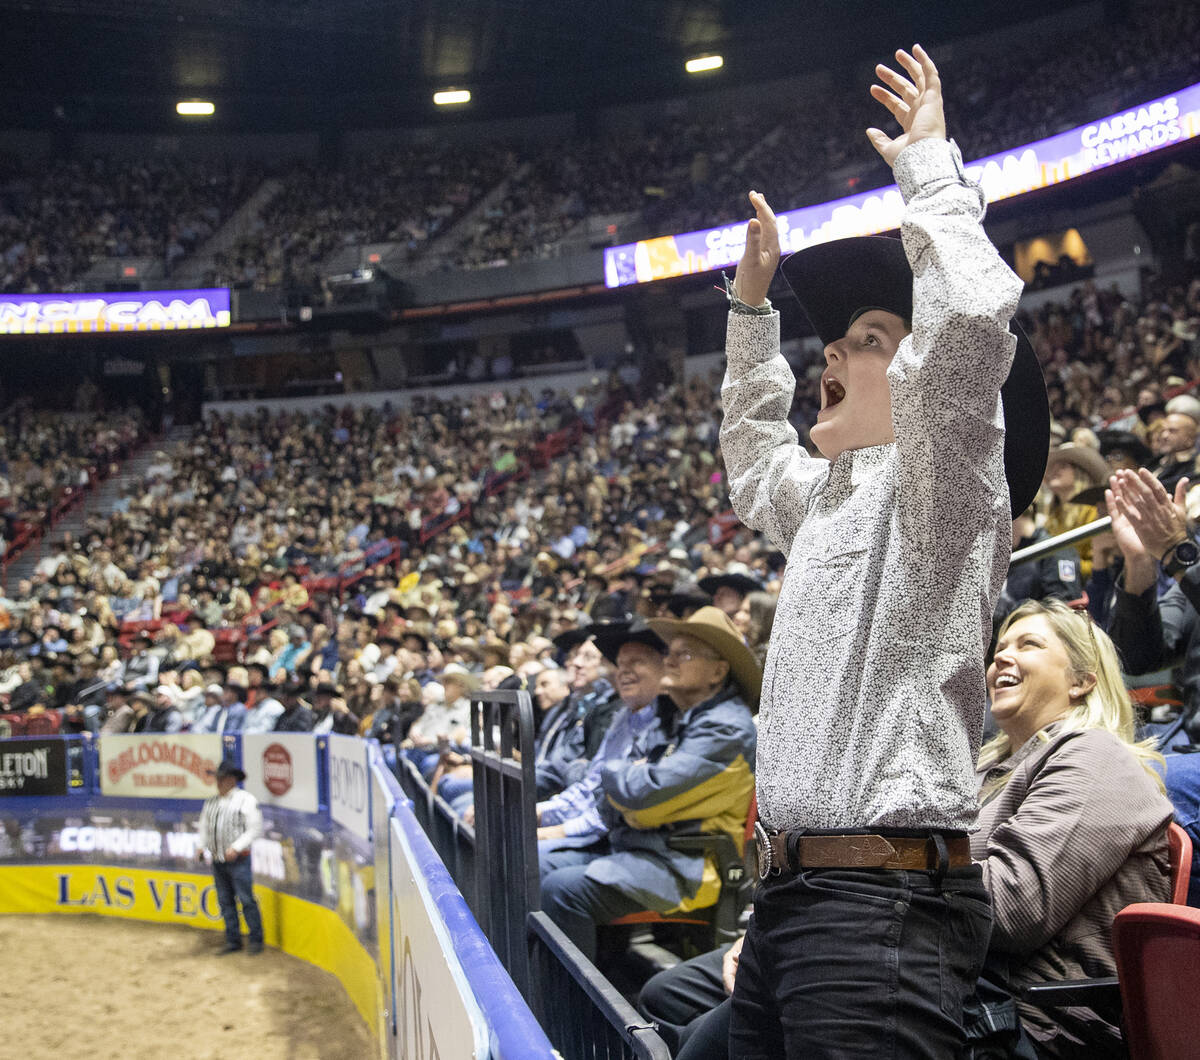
<point>713,627</point>
<point>1090,462</point>
<point>837,279</point>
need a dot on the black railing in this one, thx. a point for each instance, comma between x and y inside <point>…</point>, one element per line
<point>582,1013</point>
<point>495,867</point>
<point>506,858</point>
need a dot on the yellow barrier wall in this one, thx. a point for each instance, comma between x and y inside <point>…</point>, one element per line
<point>299,928</point>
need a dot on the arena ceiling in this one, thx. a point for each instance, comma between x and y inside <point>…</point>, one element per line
<point>289,64</point>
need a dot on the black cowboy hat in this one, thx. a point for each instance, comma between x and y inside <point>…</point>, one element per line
<point>1126,442</point>
<point>611,635</point>
<point>741,583</point>
<point>230,769</point>
<point>835,280</point>
<point>570,639</point>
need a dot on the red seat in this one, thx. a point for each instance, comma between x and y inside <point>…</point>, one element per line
<point>43,724</point>
<point>1158,962</point>
<point>1180,845</point>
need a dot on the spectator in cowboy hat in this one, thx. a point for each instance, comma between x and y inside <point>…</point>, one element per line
<point>1124,450</point>
<point>729,588</point>
<point>296,715</point>
<point>1070,469</point>
<point>572,827</point>
<point>330,713</point>
<point>161,715</point>
<point>934,424</point>
<point>697,766</point>
<point>570,736</point>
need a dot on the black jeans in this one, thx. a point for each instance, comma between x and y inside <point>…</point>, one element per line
<point>859,963</point>
<point>235,880</point>
<point>690,1007</point>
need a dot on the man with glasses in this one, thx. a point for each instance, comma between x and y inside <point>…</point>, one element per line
<point>571,829</point>
<point>695,772</point>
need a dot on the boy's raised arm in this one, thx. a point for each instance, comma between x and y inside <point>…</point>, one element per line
<point>770,473</point>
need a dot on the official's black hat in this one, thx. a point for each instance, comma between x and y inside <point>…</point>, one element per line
<point>835,280</point>
<point>228,768</point>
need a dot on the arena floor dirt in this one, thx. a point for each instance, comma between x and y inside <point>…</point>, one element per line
<point>103,988</point>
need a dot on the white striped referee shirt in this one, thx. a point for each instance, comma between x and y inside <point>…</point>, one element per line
<point>231,820</point>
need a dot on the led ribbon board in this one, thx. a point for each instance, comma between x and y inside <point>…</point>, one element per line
<point>1075,153</point>
<point>56,314</point>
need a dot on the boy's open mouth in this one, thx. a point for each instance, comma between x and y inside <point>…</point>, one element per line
<point>833,392</point>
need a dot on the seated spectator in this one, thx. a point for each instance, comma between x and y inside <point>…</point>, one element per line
<point>572,827</point>
<point>296,715</point>
<point>330,713</point>
<point>1153,631</point>
<point>1175,446</point>
<point>161,714</point>
<point>1072,829</point>
<point>229,714</point>
<point>1053,577</point>
<point>1070,469</point>
<point>698,769</point>
<point>263,707</point>
<point>754,620</point>
<point>569,738</point>
<point>730,588</point>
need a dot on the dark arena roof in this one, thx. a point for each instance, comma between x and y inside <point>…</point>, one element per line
<point>302,64</point>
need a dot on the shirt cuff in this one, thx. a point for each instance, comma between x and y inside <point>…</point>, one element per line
<point>577,826</point>
<point>736,305</point>
<point>751,339</point>
<point>929,161</point>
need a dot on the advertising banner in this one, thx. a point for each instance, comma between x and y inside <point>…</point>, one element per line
<point>159,766</point>
<point>1129,134</point>
<point>349,790</point>
<point>56,314</point>
<point>281,769</point>
<point>435,1010</point>
<point>33,767</point>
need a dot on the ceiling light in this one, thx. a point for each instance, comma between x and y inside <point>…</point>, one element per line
<point>194,108</point>
<point>452,95</point>
<point>704,62</point>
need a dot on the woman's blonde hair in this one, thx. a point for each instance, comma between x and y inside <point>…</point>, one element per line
<point>1107,706</point>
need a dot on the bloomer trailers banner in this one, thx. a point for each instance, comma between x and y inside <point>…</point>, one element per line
<point>56,314</point>
<point>152,766</point>
<point>281,769</point>
<point>33,767</point>
<point>349,791</point>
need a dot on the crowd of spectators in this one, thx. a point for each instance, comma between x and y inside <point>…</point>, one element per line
<point>683,170</point>
<point>363,571</point>
<point>58,220</point>
<point>406,195</point>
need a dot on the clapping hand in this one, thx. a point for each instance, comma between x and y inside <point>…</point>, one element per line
<point>1159,520</point>
<point>914,101</point>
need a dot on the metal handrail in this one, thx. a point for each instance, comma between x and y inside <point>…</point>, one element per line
<point>1053,544</point>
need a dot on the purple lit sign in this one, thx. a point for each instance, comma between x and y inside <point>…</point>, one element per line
<point>56,314</point>
<point>1130,134</point>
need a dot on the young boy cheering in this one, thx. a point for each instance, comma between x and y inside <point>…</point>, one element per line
<point>872,923</point>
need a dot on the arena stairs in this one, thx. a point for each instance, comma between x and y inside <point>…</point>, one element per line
<point>100,501</point>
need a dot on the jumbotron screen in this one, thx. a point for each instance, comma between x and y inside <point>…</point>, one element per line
<point>1075,153</point>
<point>54,314</point>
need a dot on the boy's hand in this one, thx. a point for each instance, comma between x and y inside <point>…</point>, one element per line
<point>914,101</point>
<point>761,258</point>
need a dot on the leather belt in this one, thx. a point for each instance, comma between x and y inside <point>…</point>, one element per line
<point>780,851</point>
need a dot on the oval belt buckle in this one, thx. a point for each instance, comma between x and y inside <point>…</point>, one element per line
<point>766,854</point>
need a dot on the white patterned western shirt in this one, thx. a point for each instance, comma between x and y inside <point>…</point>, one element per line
<point>873,695</point>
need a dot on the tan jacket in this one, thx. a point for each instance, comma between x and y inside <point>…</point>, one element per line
<point>1076,834</point>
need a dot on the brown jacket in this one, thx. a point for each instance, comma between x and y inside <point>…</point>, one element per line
<point>1076,834</point>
